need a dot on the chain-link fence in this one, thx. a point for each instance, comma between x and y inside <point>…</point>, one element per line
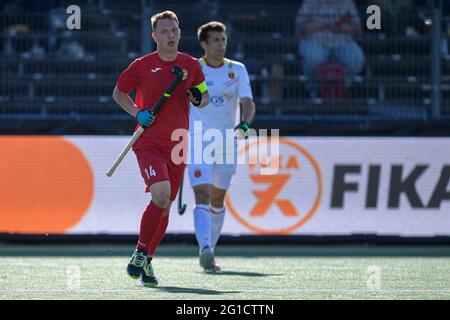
<point>445,48</point>
<point>48,71</point>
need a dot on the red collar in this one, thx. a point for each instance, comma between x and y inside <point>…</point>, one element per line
<point>167,62</point>
<point>211,66</point>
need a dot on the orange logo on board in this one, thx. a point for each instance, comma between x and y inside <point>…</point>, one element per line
<point>47,192</point>
<point>279,203</point>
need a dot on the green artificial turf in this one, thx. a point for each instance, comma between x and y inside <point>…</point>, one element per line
<point>249,272</point>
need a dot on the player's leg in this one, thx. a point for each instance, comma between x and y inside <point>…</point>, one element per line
<point>148,275</point>
<point>221,180</point>
<point>217,213</point>
<point>159,235</point>
<point>154,171</point>
<point>217,210</point>
<point>165,196</point>
<point>153,214</point>
<point>164,222</point>
<point>151,220</point>
<point>202,225</point>
<point>175,174</point>
<point>200,177</point>
<point>153,227</point>
<point>222,177</point>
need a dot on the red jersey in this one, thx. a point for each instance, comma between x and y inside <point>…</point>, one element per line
<point>151,76</point>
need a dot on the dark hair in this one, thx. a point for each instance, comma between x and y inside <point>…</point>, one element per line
<point>163,15</point>
<point>213,26</point>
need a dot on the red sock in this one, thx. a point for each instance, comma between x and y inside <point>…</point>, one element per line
<point>159,235</point>
<point>150,222</point>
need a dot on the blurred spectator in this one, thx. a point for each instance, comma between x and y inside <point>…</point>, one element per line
<point>60,39</point>
<point>57,22</point>
<point>37,51</point>
<point>71,50</point>
<point>326,30</point>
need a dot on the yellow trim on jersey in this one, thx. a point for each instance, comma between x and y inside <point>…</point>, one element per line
<point>167,95</point>
<point>224,61</point>
<point>230,63</point>
<point>202,87</point>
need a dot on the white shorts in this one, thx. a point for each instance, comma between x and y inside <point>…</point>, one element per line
<point>219,174</point>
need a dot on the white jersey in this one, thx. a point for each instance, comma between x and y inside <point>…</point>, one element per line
<point>226,85</point>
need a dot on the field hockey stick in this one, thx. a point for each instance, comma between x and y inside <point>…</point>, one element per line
<point>181,206</point>
<point>159,104</point>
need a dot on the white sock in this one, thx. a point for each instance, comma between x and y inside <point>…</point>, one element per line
<point>202,224</point>
<point>217,217</point>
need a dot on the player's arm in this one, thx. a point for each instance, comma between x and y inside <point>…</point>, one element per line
<point>144,117</point>
<point>248,109</point>
<point>205,99</point>
<point>242,130</point>
<point>199,95</point>
<point>125,102</point>
<point>128,81</point>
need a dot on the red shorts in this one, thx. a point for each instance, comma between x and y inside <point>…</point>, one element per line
<point>156,166</point>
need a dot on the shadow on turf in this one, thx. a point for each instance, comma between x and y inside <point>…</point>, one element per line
<point>193,291</point>
<point>242,274</point>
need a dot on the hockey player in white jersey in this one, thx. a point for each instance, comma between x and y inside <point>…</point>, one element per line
<point>229,86</point>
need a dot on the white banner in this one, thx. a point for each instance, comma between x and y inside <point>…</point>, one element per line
<point>324,186</point>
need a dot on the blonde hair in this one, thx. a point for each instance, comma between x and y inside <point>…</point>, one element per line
<point>163,15</point>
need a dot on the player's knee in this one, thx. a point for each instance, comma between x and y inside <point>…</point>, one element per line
<point>161,199</point>
<point>217,199</point>
<point>161,194</point>
<point>217,202</point>
<point>202,197</point>
<point>161,202</point>
<point>167,210</point>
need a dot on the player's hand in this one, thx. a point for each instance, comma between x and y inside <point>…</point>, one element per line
<point>145,118</point>
<point>242,130</point>
<point>195,96</point>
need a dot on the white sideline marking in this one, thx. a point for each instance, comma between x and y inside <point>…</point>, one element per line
<point>231,289</point>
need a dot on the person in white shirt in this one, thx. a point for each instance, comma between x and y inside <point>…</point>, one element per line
<point>229,87</point>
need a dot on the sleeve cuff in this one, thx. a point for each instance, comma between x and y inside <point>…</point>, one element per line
<point>122,89</point>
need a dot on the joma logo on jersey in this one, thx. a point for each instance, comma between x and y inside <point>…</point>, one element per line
<point>281,202</point>
<point>150,172</point>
